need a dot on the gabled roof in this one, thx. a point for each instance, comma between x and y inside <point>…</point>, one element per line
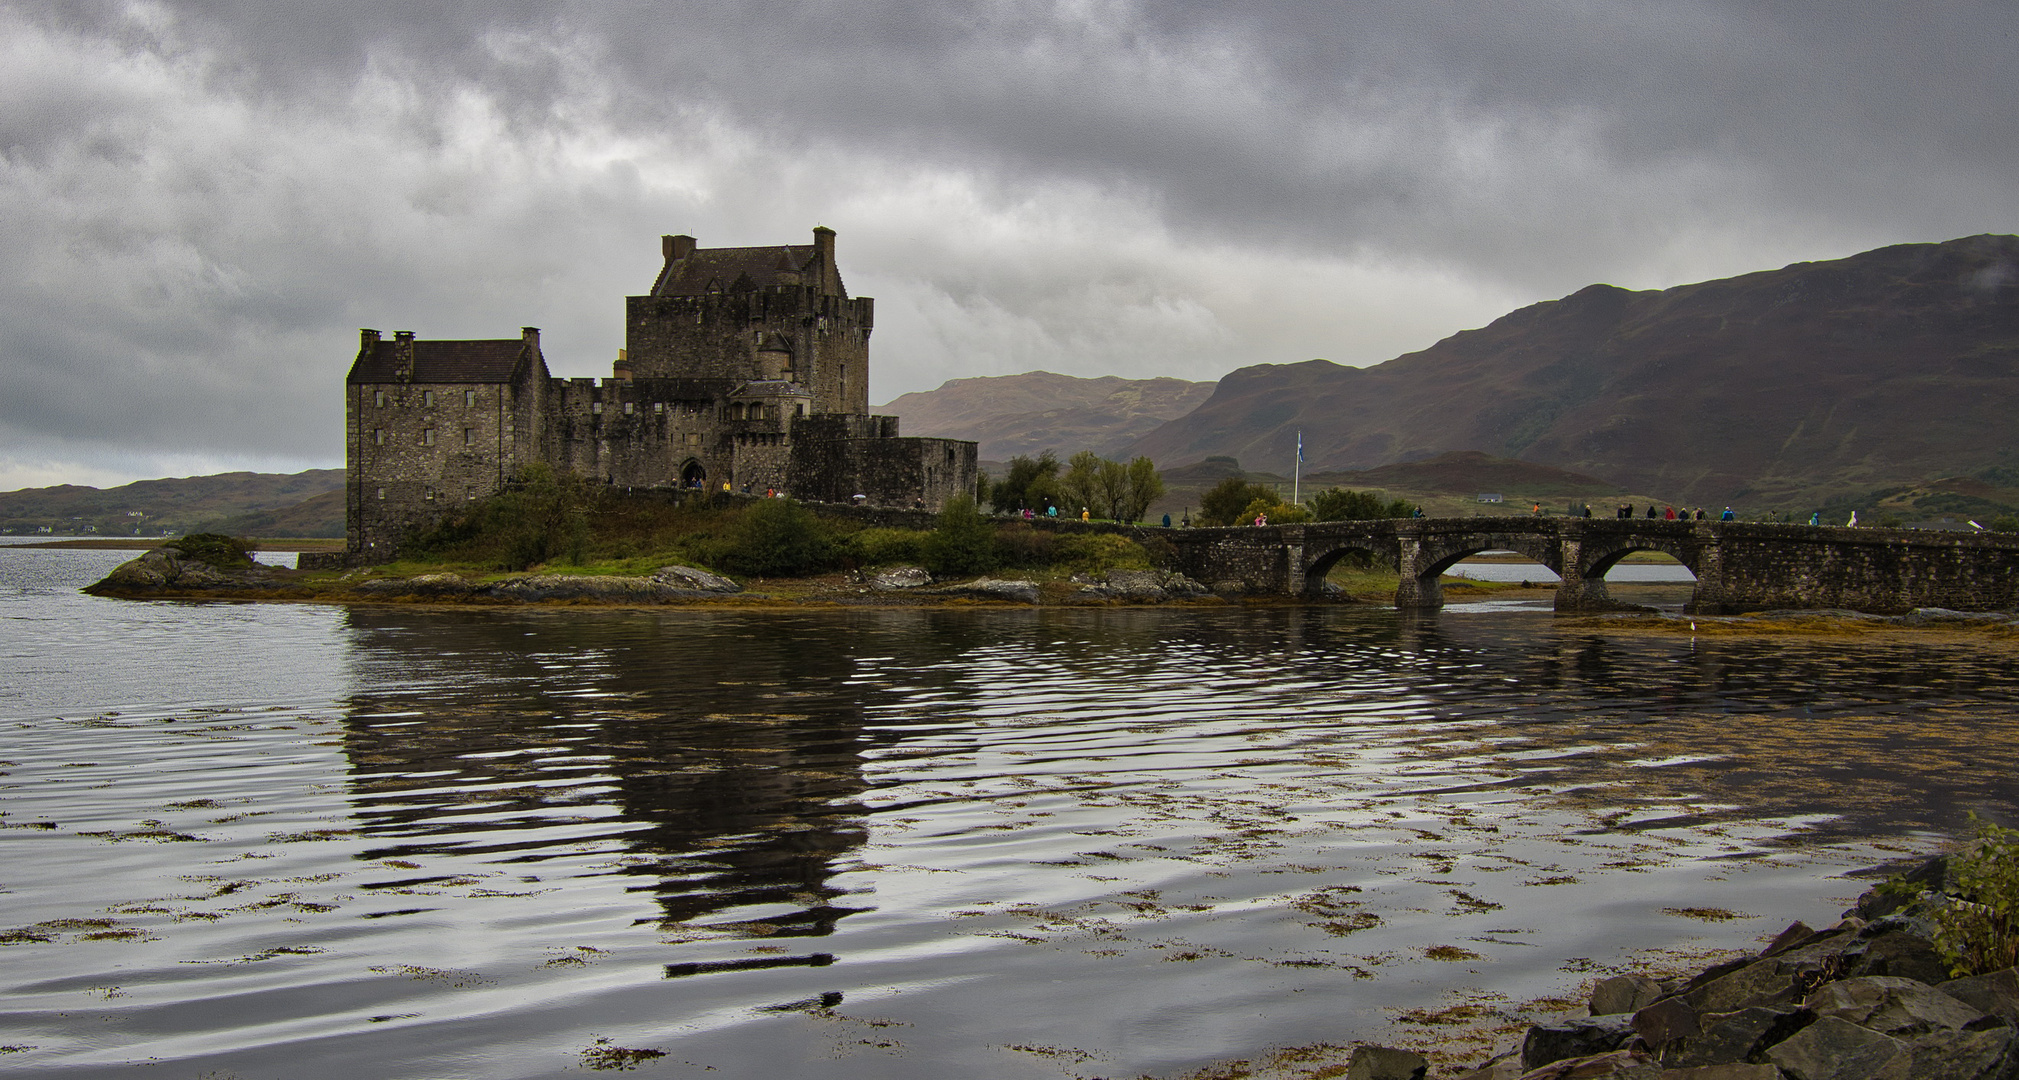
<point>495,361</point>
<point>706,270</point>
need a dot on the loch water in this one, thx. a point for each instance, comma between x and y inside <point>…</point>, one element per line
<point>277,840</point>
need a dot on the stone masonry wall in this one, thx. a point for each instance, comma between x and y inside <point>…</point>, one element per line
<point>717,336</point>
<point>1883,571</point>
<point>418,449</point>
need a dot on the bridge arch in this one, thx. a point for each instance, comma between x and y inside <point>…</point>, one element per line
<point>1597,560</point>
<point>1382,550</point>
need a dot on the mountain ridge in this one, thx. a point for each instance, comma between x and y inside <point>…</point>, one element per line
<point>1886,367</point>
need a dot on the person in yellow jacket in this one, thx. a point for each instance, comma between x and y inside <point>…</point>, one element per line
<point>1084,516</point>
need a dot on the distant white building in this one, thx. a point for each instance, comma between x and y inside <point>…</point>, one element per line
<point>1490,497</point>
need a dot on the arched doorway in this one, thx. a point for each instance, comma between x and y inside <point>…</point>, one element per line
<point>692,475</point>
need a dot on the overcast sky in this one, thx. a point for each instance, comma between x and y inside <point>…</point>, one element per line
<point>201,203</point>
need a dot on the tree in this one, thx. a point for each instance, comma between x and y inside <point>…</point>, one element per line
<point>1030,482</point>
<point>1335,504</point>
<point>1082,486</point>
<point>1144,486</point>
<point>963,542</point>
<point>1224,504</point>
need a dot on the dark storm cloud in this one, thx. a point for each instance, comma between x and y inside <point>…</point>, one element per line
<point>203,201</point>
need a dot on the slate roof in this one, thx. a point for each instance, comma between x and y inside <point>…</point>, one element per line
<point>706,270</point>
<point>494,361</point>
<point>771,388</point>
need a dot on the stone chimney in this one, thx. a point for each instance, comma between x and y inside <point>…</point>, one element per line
<point>531,336</point>
<point>366,340</point>
<point>676,248</point>
<point>823,247</point>
<point>622,368</point>
<point>403,355</point>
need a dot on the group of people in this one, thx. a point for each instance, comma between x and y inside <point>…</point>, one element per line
<point>1668,513</point>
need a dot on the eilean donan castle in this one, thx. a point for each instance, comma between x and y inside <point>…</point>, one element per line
<point>745,369</point>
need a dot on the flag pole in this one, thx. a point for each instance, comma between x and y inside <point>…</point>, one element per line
<point>1297,471</point>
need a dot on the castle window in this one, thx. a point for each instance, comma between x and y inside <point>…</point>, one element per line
<point>427,399</point>
<point>382,494</point>
<point>469,436</point>
<point>378,399</point>
<point>799,409</point>
<point>627,408</point>
<point>596,407</point>
<point>469,398</point>
<point>379,436</point>
<point>428,437</point>
<point>658,408</point>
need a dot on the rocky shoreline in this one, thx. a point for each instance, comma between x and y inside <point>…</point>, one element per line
<point>1867,999</point>
<point>167,573</point>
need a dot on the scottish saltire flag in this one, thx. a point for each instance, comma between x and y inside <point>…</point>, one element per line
<point>1300,446</point>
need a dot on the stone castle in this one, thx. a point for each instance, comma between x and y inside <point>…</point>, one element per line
<point>745,369</point>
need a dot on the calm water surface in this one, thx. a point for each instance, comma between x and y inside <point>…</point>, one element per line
<point>298,841</point>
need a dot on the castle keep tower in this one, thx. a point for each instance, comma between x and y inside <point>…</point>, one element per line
<point>755,314</point>
<point>746,369</point>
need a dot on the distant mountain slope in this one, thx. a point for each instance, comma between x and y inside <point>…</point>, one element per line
<point>1038,410</point>
<point>1469,472</point>
<point>176,505</point>
<point>1888,367</point>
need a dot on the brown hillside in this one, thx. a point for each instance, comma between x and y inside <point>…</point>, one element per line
<point>176,504</point>
<point>1038,410</point>
<point>1784,386</point>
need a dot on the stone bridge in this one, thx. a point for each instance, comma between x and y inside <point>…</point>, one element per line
<point>1739,566</point>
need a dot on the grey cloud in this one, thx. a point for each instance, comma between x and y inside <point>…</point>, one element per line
<point>199,226</point>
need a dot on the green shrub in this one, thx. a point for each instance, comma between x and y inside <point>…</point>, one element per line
<point>1278,513</point>
<point>964,542</point>
<point>1980,933</point>
<point>882,547</point>
<point>217,549</point>
<point>1099,553</point>
<point>1026,545</point>
<point>777,538</point>
<point>542,517</point>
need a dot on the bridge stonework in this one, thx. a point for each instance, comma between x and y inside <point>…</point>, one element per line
<point>1738,566</point>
